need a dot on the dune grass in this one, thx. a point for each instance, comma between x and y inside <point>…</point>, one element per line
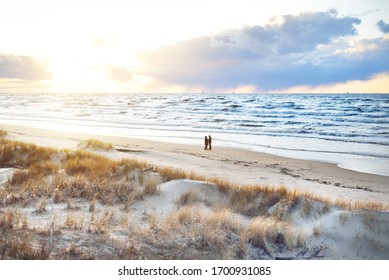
<point>63,174</point>
<point>20,154</point>
<point>192,233</point>
<point>3,133</point>
<point>95,145</point>
<point>198,233</point>
<point>91,173</point>
<point>264,232</point>
<point>88,173</point>
<point>47,175</point>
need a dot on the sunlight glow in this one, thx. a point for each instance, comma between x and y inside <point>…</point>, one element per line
<point>94,45</point>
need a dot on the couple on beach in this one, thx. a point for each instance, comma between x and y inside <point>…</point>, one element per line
<point>208,142</point>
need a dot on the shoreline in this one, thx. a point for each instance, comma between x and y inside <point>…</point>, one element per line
<point>324,128</point>
<point>361,162</point>
<point>232,164</point>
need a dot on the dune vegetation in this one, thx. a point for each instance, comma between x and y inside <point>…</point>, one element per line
<point>77,204</point>
<point>95,144</point>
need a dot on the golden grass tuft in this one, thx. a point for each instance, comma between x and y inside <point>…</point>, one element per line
<point>44,168</point>
<point>101,223</point>
<point>132,164</point>
<point>74,222</point>
<point>263,231</point>
<point>224,220</point>
<point>74,187</point>
<point>3,133</point>
<point>88,164</point>
<point>153,221</point>
<point>256,200</point>
<point>20,176</point>
<point>188,215</point>
<point>19,154</point>
<point>213,233</point>
<point>172,173</point>
<point>150,184</point>
<point>244,201</point>
<point>184,216</point>
<point>37,170</point>
<point>370,205</point>
<point>187,198</point>
<point>21,248</point>
<point>95,144</point>
<point>361,205</point>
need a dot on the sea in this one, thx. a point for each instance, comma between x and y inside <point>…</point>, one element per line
<point>350,130</point>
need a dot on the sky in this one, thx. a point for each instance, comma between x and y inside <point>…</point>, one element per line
<point>248,46</point>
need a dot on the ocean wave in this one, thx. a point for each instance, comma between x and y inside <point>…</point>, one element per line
<point>348,119</point>
<point>251,125</point>
<point>233,107</point>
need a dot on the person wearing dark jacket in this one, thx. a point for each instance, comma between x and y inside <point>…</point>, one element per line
<point>210,142</point>
<point>206,143</point>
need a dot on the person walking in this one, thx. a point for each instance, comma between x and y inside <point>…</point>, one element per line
<point>210,142</point>
<point>206,143</point>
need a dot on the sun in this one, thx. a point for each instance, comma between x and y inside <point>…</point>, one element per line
<point>89,68</point>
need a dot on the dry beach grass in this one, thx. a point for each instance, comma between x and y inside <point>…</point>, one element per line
<point>78,204</point>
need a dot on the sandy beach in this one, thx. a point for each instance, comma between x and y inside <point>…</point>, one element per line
<point>126,198</point>
<point>235,165</point>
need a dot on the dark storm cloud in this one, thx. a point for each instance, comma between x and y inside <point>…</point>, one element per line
<point>384,27</point>
<point>23,68</point>
<point>301,49</point>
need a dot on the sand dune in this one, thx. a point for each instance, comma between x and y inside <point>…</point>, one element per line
<point>236,165</point>
<point>136,213</point>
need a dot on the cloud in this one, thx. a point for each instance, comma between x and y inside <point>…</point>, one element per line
<point>369,12</point>
<point>23,68</point>
<point>193,61</point>
<point>378,83</point>
<point>289,51</point>
<point>384,27</point>
<point>119,74</point>
<point>295,34</point>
